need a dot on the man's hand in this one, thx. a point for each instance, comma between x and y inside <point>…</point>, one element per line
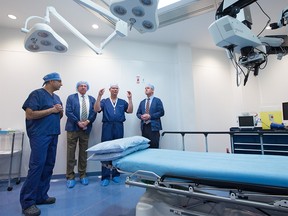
<point>57,108</point>
<point>101,92</point>
<point>129,94</point>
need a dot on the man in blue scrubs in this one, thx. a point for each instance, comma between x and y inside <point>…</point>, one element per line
<point>114,110</point>
<point>150,111</point>
<point>43,111</point>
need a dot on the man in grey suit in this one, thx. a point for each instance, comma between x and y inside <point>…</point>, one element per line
<point>150,111</point>
<point>80,116</point>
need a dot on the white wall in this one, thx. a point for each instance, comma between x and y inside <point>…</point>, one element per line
<point>265,92</point>
<point>197,87</point>
<point>22,72</point>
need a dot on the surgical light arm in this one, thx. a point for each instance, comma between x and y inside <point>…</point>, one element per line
<point>232,7</point>
<point>87,4</point>
<point>120,29</point>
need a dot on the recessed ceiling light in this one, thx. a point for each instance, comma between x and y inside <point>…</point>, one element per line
<point>95,26</point>
<point>12,16</point>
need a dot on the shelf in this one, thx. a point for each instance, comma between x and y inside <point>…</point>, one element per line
<point>9,131</point>
<point>247,144</point>
<point>6,152</point>
<point>11,145</point>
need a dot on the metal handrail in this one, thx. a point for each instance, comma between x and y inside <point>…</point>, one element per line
<point>259,132</point>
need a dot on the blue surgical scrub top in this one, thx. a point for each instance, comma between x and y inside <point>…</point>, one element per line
<point>40,99</point>
<point>111,115</point>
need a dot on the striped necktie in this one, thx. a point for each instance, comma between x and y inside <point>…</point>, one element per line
<point>84,109</point>
<point>147,105</point>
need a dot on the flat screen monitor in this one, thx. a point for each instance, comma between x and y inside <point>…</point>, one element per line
<point>246,121</point>
<point>285,110</point>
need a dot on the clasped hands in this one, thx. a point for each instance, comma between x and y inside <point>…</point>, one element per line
<point>57,108</point>
<point>145,117</point>
<point>83,124</point>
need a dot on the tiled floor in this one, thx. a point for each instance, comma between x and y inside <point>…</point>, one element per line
<point>113,200</point>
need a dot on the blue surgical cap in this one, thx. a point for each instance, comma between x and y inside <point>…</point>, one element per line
<point>150,86</point>
<point>51,76</point>
<point>82,83</point>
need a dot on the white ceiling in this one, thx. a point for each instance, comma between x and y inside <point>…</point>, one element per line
<point>193,30</point>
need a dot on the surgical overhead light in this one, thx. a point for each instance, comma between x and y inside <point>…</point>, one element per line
<point>140,14</point>
<point>41,37</point>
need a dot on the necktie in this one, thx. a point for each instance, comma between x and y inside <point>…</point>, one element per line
<point>84,109</point>
<point>147,105</point>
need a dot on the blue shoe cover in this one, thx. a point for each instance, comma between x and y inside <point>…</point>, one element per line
<point>105,182</point>
<point>70,183</point>
<point>116,179</point>
<point>84,181</point>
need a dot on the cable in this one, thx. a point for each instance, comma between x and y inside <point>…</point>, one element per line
<point>236,66</point>
<point>246,77</point>
<point>269,19</point>
<point>264,123</point>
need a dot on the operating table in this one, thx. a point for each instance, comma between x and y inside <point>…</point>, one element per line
<point>202,183</point>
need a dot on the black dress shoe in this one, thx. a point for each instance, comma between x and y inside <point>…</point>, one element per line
<point>48,201</point>
<point>32,211</point>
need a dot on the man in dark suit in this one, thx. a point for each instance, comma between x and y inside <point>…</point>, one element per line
<point>150,111</point>
<point>80,116</point>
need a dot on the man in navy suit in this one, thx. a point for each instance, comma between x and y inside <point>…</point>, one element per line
<point>150,111</point>
<point>80,116</point>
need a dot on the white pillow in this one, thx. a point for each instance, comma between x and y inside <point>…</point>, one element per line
<point>116,155</point>
<point>117,145</point>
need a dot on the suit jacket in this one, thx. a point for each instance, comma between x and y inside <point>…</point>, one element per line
<point>72,112</point>
<point>156,111</point>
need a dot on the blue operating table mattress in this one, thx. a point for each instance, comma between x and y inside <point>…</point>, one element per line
<point>259,172</point>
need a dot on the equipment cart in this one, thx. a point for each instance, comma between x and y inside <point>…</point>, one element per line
<point>11,150</point>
